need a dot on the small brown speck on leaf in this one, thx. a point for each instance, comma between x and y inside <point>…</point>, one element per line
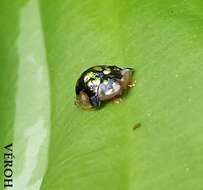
<point>137,125</point>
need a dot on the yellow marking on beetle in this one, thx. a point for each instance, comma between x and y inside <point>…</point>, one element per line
<point>107,71</point>
<point>93,84</point>
<point>98,68</point>
<point>88,76</point>
<point>105,82</point>
<point>90,84</point>
<point>96,82</point>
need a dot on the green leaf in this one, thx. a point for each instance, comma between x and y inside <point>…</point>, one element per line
<point>45,47</point>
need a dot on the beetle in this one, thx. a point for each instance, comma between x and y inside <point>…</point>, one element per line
<point>101,83</point>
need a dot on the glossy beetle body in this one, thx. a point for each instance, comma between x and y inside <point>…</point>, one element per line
<point>102,83</point>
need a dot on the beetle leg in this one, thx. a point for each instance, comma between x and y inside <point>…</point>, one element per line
<point>132,84</point>
<point>117,100</point>
<point>83,100</point>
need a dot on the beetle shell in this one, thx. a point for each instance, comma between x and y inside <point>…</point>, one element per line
<point>101,83</point>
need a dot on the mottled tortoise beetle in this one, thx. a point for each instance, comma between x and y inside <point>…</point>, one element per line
<point>101,83</point>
